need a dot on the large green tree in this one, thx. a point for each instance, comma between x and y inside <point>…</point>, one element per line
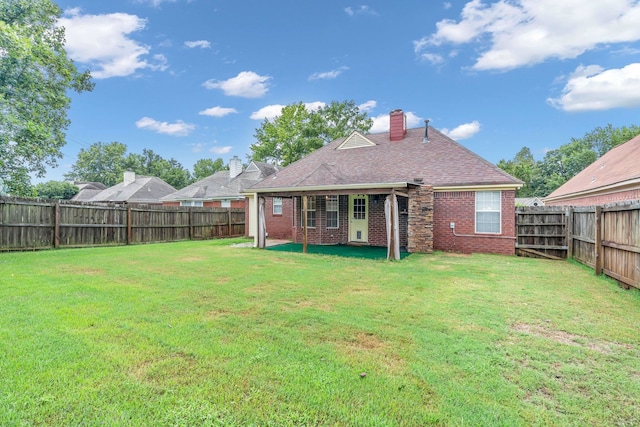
<point>563,163</point>
<point>296,132</point>
<point>151,164</point>
<point>35,74</point>
<point>106,163</point>
<point>207,167</point>
<point>100,162</point>
<point>56,190</point>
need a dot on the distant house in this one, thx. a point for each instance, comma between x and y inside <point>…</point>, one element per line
<point>529,201</point>
<point>415,188</point>
<point>225,188</point>
<point>614,177</point>
<point>135,190</point>
<point>87,190</point>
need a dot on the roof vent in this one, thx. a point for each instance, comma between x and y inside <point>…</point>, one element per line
<point>418,180</point>
<point>426,131</point>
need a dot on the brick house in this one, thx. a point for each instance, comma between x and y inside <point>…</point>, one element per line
<point>224,189</point>
<point>614,177</point>
<point>416,187</point>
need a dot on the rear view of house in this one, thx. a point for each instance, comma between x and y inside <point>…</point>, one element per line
<point>416,187</point>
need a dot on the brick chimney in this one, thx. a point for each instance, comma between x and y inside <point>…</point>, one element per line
<point>235,167</point>
<point>397,125</point>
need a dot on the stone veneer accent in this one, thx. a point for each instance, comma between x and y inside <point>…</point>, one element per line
<point>420,228</point>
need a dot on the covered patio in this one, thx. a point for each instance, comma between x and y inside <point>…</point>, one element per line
<point>392,217</point>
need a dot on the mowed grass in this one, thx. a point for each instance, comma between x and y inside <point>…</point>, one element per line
<point>202,333</point>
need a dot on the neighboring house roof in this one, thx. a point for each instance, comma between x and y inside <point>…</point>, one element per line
<point>374,159</point>
<point>140,189</point>
<point>87,190</point>
<point>617,168</point>
<point>221,185</point>
<point>529,201</point>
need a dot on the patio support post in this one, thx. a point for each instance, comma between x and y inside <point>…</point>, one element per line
<point>392,240</point>
<point>304,224</point>
<point>262,229</point>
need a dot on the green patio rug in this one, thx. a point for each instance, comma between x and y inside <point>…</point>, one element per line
<point>369,252</point>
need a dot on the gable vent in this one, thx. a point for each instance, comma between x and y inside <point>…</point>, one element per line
<point>355,140</point>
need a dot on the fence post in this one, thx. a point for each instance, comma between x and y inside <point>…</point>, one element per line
<point>569,232</point>
<point>190,223</point>
<point>129,220</point>
<point>56,225</point>
<point>598,240</point>
<point>229,221</point>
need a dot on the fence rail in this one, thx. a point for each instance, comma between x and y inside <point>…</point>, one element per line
<point>35,224</point>
<point>606,238</point>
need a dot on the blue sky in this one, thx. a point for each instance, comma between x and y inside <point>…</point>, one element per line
<point>193,79</point>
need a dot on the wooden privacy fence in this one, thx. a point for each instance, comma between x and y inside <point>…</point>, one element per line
<point>33,224</point>
<point>607,238</point>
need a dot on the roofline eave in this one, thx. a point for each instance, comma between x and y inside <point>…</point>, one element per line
<point>618,186</point>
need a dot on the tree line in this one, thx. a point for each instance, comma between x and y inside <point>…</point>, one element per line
<point>559,165</point>
<point>35,75</point>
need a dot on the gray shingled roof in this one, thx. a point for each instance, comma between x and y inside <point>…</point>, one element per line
<point>220,186</point>
<point>440,162</point>
<point>145,189</point>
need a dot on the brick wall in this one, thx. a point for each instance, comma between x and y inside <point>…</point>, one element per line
<point>602,199</point>
<point>279,226</point>
<point>320,234</point>
<point>459,207</point>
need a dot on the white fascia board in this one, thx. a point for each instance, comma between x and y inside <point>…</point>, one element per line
<point>489,187</point>
<point>330,187</point>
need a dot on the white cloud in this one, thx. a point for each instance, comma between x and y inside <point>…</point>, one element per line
<point>221,150</point>
<point>103,43</point>
<point>246,84</point>
<point>517,33</point>
<point>464,131</point>
<point>217,111</point>
<point>197,148</point>
<point>327,75</point>
<point>202,44</point>
<point>270,112</point>
<point>360,10</point>
<point>594,88</point>
<point>381,122</point>
<point>367,106</point>
<point>314,106</point>
<point>179,128</point>
<point>447,5</point>
<point>155,3</point>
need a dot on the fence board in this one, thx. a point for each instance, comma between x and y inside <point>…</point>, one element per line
<point>36,224</point>
<point>606,238</point>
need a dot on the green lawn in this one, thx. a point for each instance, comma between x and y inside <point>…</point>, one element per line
<point>201,333</point>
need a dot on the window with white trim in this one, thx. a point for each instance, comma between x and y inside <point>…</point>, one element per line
<point>277,205</point>
<point>191,203</point>
<point>311,212</point>
<point>225,203</point>
<point>332,212</point>
<point>488,211</point>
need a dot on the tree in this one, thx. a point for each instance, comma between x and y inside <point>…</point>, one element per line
<point>296,132</point>
<point>101,162</point>
<point>56,190</point>
<point>604,139</point>
<point>522,167</point>
<point>35,74</point>
<point>151,164</point>
<point>207,167</point>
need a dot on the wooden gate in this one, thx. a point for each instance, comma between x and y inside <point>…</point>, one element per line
<point>541,232</point>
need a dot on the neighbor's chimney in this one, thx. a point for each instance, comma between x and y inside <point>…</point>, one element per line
<point>235,167</point>
<point>426,131</point>
<point>129,178</point>
<point>397,125</point>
